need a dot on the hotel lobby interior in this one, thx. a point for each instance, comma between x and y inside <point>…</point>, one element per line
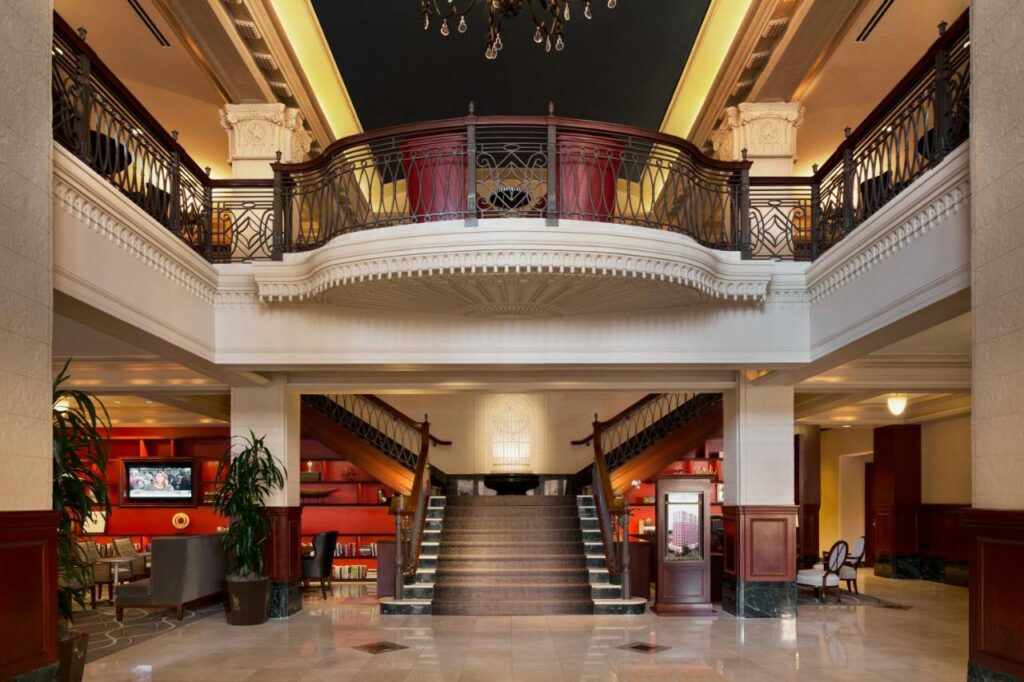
<point>568,340</point>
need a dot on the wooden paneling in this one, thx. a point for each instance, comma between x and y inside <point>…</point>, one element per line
<point>940,532</point>
<point>807,530</point>
<point>28,591</point>
<point>896,489</point>
<point>763,547</point>
<point>281,551</point>
<point>996,551</point>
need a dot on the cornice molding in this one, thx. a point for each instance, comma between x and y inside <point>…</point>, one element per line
<point>518,247</point>
<point>936,197</point>
<point>82,194</point>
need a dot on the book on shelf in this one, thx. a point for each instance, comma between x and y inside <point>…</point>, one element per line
<point>353,572</point>
<point>353,549</point>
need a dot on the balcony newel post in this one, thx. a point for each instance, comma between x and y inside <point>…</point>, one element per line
<point>277,229</point>
<point>624,559</point>
<point>744,210</point>
<point>943,101</point>
<point>83,76</point>
<point>551,209</point>
<point>471,219</point>
<point>815,214</point>
<point>849,176</point>
<point>175,184</point>
<point>397,509</point>
<point>208,222</point>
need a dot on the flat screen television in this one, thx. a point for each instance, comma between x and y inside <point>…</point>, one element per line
<point>169,482</point>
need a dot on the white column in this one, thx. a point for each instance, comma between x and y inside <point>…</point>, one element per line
<point>767,130</point>
<point>26,247</point>
<point>257,132</point>
<point>271,411</point>
<point>758,444</point>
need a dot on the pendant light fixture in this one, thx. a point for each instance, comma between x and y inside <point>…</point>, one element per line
<point>897,403</point>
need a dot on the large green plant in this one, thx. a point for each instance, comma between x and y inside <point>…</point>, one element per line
<point>249,473</point>
<point>81,428</point>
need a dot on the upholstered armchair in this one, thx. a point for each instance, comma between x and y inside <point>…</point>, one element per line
<point>124,548</point>
<point>102,573</point>
<point>848,571</point>
<point>319,564</point>
<point>828,575</point>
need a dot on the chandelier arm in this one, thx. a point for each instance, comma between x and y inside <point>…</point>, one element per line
<point>453,12</point>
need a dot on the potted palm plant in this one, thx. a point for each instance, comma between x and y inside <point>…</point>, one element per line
<point>80,431</point>
<point>249,473</point>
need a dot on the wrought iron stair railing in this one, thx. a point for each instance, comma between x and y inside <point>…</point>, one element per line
<point>475,168</point>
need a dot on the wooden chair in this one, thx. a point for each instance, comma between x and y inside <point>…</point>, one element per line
<point>124,548</point>
<point>102,573</point>
<point>828,575</point>
<point>848,571</point>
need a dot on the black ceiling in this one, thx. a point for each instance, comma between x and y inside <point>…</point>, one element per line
<point>622,66</point>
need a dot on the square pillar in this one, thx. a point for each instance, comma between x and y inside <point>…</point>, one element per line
<point>896,500</point>
<point>760,511</point>
<point>272,411</point>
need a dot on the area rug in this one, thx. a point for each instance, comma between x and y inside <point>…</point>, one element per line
<point>807,598</point>
<point>107,636</point>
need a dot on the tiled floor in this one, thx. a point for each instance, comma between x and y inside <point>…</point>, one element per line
<point>926,642</point>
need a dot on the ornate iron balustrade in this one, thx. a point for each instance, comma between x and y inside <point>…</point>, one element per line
<point>383,429</point>
<point>475,168</point>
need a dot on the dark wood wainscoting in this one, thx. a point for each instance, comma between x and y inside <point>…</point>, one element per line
<point>282,549</point>
<point>28,591</point>
<point>759,560</point>
<point>996,554</point>
<point>943,544</point>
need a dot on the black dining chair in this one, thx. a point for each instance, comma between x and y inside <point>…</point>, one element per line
<point>318,565</point>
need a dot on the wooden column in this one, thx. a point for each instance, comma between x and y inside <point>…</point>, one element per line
<point>28,592</point>
<point>759,557</point>
<point>897,500</point>
<point>808,492</point>
<point>283,560</point>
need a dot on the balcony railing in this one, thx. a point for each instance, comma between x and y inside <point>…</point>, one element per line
<point>476,168</point>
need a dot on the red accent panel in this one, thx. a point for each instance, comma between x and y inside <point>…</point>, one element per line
<point>157,520</point>
<point>352,520</point>
<point>28,591</point>
<point>435,176</point>
<point>281,551</point>
<point>587,168</point>
<point>997,600</point>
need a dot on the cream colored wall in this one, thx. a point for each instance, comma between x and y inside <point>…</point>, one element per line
<point>997,251</point>
<point>946,461</point>
<point>837,444</point>
<point>851,497</point>
<point>26,297</point>
<point>560,418</point>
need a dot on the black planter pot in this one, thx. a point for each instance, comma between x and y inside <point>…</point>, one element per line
<point>71,649</point>
<point>246,602</point>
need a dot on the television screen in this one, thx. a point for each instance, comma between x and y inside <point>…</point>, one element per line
<point>159,481</point>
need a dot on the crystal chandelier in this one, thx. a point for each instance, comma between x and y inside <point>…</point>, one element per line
<point>549,16</point>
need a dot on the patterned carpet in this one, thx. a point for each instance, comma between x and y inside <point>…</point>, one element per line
<point>805,597</point>
<point>107,636</point>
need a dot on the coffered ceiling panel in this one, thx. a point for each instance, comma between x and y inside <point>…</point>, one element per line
<point>622,66</point>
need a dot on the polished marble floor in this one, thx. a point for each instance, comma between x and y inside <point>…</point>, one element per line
<point>925,642</point>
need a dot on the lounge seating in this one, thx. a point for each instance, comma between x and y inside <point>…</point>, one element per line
<point>124,548</point>
<point>828,575</point>
<point>185,569</point>
<point>848,571</point>
<point>102,573</point>
<point>320,563</point>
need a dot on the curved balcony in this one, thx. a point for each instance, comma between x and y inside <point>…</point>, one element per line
<point>476,168</point>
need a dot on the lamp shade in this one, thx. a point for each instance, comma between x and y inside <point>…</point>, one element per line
<point>897,404</point>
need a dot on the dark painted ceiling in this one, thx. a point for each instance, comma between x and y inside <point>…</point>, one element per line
<point>622,66</point>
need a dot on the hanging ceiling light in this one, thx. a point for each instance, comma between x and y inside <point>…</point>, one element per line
<point>549,17</point>
<point>897,403</point>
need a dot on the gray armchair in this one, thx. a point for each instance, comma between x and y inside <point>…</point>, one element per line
<point>102,573</point>
<point>186,568</point>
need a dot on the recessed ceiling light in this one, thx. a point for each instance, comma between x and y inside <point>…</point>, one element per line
<point>847,426</point>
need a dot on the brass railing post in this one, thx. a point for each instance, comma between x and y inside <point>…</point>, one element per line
<point>551,207</point>
<point>83,76</point>
<point>471,219</point>
<point>849,177</point>
<point>277,228</point>
<point>943,101</point>
<point>175,217</point>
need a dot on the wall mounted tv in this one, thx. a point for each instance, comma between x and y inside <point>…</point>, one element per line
<point>167,482</point>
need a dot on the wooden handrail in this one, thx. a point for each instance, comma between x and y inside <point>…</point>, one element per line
<point>420,498</point>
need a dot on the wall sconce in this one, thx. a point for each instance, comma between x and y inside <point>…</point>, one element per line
<point>897,404</point>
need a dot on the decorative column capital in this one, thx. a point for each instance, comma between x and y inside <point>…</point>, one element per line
<point>767,130</point>
<point>256,132</point>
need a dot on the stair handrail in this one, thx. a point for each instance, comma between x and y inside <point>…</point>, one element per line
<point>401,416</point>
<point>606,505</point>
<point>420,498</point>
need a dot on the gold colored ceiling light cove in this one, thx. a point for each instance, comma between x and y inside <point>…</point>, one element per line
<point>549,17</point>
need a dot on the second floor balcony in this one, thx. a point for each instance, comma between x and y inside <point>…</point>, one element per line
<point>475,169</point>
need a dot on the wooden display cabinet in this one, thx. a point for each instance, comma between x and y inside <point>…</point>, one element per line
<point>683,549</point>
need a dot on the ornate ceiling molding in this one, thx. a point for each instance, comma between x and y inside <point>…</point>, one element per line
<point>675,269</point>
